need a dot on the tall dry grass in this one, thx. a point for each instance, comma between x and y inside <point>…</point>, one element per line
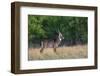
<point>70,52</point>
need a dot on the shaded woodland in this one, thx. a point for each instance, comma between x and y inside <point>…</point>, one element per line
<point>74,29</point>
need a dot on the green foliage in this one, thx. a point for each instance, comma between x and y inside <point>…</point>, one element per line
<point>72,28</point>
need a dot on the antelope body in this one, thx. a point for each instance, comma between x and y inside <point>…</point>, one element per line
<point>52,43</point>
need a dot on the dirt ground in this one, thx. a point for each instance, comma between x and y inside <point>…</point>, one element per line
<point>70,52</point>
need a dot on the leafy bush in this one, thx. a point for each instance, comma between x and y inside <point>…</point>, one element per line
<point>74,29</point>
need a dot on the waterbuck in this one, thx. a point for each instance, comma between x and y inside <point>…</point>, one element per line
<point>52,43</point>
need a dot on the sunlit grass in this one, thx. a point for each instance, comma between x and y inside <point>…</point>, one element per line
<point>70,52</point>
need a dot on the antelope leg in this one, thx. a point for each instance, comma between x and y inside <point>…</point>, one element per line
<point>41,50</point>
<point>54,49</point>
<point>42,47</point>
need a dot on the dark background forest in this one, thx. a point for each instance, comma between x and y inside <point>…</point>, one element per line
<point>74,29</point>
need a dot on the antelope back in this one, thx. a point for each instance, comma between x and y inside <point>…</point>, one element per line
<point>47,43</point>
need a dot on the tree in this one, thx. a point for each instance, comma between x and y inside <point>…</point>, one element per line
<point>74,29</point>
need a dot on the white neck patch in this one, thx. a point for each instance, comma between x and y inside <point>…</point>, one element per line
<point>60,39</point>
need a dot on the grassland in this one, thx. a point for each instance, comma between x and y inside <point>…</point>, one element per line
<point>70,52</point>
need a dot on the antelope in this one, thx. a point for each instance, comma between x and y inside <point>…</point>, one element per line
<point>53,43</point>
